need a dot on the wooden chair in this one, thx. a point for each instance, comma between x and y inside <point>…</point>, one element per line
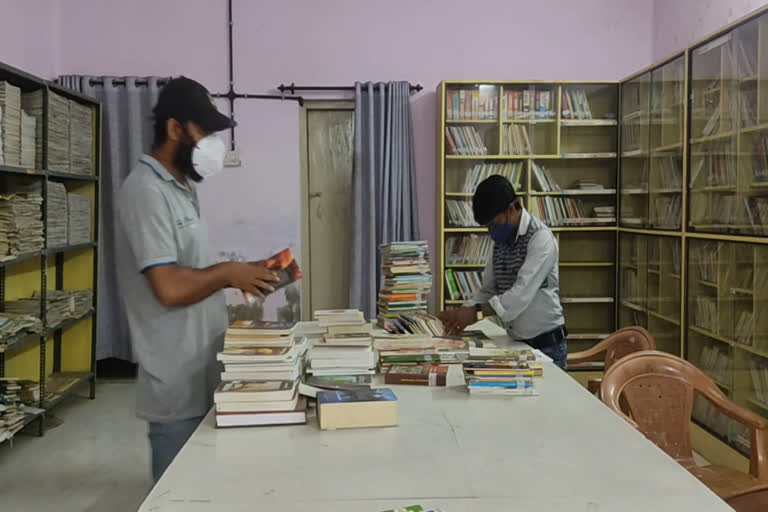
<point>611,349</point>
<point>658,389</point>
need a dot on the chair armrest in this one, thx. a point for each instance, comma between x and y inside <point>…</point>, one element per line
<point>593,386</point>
<point>758,457</point>
<point>737,412</point>
<point>596,353</point>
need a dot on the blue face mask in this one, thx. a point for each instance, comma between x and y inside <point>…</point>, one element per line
<point>503,233</point>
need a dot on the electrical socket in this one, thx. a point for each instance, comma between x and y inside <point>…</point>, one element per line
<point>232,159</point>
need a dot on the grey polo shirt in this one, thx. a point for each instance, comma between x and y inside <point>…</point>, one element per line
<point>159,224</point>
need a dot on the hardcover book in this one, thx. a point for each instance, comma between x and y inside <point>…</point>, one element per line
<point>432,375</point>
<point>357,409</point>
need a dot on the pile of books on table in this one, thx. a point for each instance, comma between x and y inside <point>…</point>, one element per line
<point>407,281</point>
<point>262,364</point>
<point>495,371</point>
<point>344,354</point>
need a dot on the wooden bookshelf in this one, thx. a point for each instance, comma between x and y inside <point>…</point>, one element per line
<point>652,120</point>
<point>63,351</point>
<point>556,157</point>
<point>649,286</point>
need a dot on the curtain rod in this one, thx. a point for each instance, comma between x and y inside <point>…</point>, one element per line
<point>293,88</point>
<point>121,81</point>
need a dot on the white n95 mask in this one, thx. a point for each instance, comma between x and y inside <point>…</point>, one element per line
<point>208,156</point>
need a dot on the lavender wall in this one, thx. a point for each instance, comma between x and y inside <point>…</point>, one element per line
<point>338,42</point>
<point>29,34</point>
<point>678,23</point>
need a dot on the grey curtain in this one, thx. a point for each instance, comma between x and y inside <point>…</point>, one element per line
<point>384,184</point>
<point>126,134</point>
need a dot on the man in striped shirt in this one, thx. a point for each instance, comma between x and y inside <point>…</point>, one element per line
<point>520,281</point>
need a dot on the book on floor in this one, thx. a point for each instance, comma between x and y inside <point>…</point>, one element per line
<point>357,409</point>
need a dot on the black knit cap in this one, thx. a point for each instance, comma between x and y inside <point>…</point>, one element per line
<point>492,196</point>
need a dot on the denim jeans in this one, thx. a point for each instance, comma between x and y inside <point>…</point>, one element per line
<point>558,352</point>
<point>166,440</point>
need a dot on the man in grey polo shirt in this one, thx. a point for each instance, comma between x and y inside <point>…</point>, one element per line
<point>172,291</point>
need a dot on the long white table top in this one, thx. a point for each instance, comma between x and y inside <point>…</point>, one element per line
<point>559,451</point>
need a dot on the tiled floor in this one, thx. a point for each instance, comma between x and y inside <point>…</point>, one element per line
<point>96,460</point>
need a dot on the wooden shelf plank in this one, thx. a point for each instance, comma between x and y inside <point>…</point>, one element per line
<point>711,335</point>
<point>585,264</point>
<point>716,136</point>
<point>588,122</point>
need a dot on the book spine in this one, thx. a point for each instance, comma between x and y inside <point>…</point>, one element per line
<point>462,103</point>
<point>475,104</point>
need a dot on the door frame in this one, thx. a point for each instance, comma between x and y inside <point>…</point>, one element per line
<point>306,286</point>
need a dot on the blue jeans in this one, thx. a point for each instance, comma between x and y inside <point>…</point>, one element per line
<point>558,352</point>
<point>166,440</point>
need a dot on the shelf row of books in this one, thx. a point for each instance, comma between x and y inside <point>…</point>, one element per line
<point>69,131</point>
<point>758,370</point>
<point>464,140</point>
<point>668,211</point>
<point>719,165</point>
<point>528,104</point>
<point>566,211</point>
<point>481,103</point>
<point>61,305</point>
<point>705,314</point>
<point>707,414</point>
<point>515,140</point>
<point>460,213</point>
<point>468,250</point>
<point>716,361</point>
<point>14,326</point>
<point>462,285</point>
<point>513,171</point>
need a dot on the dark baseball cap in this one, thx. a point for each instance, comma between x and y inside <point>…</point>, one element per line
<point>184,99</point>
<point>492,196</point>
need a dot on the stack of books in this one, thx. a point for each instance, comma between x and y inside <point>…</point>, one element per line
<point>81,138</point>
<point>435,351</point>
<point>58,132</point>
<point>56,210</point>
<point>14,325</point>
<point>262,365</point>
<point>78,219</point>
<point>10,103</point>
<point>27,155</point>
<point>21,219</point>
<point>11,412</point>
<point>494,371</point>
<point>32,102</point>
<point>60,305</point>
<point>407,280</point>
<point>346,349</point>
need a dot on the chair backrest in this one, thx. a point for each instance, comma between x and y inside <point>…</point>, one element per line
<point>614,347</point>
<point>658,389</point>
<point>626,341</point>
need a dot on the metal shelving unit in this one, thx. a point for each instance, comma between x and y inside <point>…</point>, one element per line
<point>62,265</point>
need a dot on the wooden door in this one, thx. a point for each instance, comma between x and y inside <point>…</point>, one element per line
<point>329,149</point>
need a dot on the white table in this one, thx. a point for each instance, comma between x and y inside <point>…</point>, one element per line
<point>559,451</point>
